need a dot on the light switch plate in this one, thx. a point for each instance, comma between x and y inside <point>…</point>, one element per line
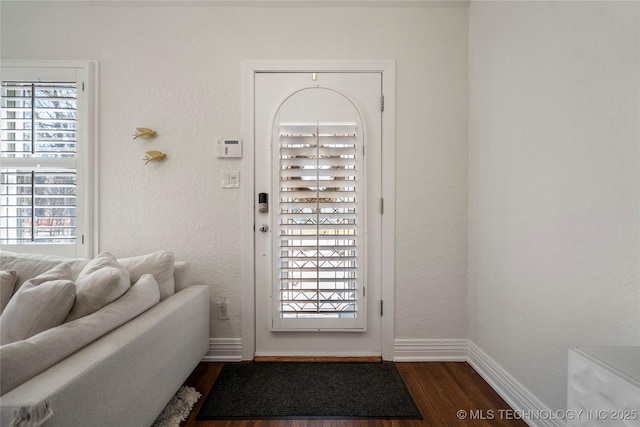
<point>231,179</point>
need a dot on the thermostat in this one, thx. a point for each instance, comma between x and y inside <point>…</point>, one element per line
<point>230,148</point>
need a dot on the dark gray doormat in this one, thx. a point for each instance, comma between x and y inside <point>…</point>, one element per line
<point>262,391</point>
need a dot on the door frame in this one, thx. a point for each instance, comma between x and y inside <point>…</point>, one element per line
<point>247,262</point>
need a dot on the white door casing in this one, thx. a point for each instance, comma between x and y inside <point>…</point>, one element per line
<point>265,92</point>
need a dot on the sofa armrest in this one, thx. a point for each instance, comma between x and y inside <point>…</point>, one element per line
<point>126,377</point>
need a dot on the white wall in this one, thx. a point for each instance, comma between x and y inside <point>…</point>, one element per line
<point>554,199</point>
<point>553,154</point>
<point>176,68</point>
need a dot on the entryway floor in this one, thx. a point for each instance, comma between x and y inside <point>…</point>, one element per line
<point>447,394</point>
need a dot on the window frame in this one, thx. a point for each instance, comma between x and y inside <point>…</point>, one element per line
<point>86,164</point>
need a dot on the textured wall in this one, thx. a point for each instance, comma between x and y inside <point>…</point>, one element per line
<point>176,69</point>
<point>554,204</point>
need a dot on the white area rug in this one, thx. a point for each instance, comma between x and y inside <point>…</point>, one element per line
<point>178,408</point>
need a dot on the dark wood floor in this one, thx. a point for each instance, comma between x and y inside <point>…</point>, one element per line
<point>447,394</point>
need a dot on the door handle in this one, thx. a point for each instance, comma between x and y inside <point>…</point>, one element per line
<point>264,228</point>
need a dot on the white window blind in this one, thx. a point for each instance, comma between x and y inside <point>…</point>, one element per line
<point>39,119</point>
<point>38,207</point>
<point>320,228</point>
<point>43,130</point>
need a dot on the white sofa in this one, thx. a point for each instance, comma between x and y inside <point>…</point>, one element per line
<point>116,366</point>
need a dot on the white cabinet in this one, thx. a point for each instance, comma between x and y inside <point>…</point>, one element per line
<point>604,386</point>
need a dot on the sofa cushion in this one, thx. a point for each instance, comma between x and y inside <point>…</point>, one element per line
<point>23,360</point>
<point>100,282</point>
<point>8,279</point>
<point>159,264</point>
<point>28,266</point>
<point>41,303</point>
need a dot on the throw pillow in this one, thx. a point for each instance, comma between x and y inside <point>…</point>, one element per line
<point>41,303</point>
<point>8,279</point>
<point>102,281</point>
<point>158,264</point>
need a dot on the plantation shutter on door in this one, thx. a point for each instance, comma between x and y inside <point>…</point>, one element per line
<point>320,236</point>
<point>39,149</point>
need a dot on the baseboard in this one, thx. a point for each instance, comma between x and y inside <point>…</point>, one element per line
<point>430,350</point>
<point>524,403</point>
<point>405,350</point>
<point>224,350</point>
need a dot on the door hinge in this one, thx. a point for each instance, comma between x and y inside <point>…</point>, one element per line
<point>83,86</point>
<point>381,205</point>
<point>83,239</point>
<point>381,307</point>
<point>382,103</point>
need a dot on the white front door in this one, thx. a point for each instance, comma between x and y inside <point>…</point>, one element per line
<point>318,232</point>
